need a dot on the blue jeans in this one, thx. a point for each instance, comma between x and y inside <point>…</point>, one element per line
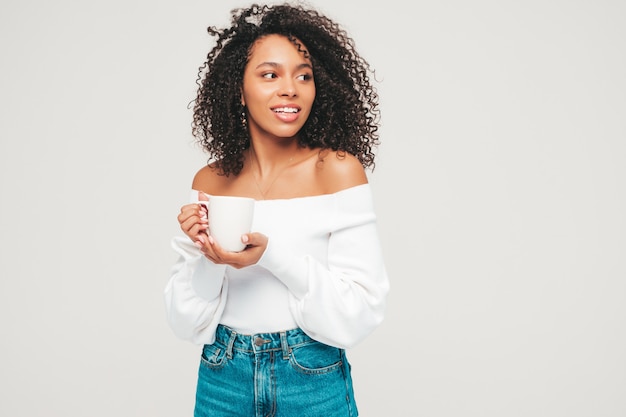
<point>284,374</point>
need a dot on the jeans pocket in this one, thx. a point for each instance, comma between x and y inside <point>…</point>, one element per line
<point>316,358</point>
<point>213,356</point>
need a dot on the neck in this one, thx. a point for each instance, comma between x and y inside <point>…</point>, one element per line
<point>268,159</point>
<point>265,176</point>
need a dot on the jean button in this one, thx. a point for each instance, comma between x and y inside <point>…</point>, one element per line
<point>258,341</point>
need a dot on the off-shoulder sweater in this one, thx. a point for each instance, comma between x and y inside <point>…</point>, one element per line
<point>322,271</point>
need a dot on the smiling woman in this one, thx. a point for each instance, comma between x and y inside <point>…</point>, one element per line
<point>287,114</point>
<point>278,89</point>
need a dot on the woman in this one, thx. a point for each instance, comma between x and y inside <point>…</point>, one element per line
<point>288,116</point>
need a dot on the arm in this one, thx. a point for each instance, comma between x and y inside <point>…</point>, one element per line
<point>196,292</point>
<point>342,301</point>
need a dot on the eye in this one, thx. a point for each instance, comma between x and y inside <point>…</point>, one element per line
<point>304,77</point>
<point>268,75</point>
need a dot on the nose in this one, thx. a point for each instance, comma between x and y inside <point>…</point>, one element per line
<point>287,88</point>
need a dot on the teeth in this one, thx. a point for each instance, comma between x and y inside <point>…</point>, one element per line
<point>286,110</point>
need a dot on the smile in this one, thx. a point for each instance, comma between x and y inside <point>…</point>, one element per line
<point>285,110</point>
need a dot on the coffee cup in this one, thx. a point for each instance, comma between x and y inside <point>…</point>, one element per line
<point>229,217</point>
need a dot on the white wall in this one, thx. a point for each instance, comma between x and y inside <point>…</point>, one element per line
<point>500,191</point>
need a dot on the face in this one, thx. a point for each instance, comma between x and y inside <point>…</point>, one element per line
<point>278,88</point>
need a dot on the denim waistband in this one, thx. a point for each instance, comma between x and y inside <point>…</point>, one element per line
<point>261,342</point>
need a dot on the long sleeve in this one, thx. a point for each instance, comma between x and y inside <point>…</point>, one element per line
<point>195,294</point>
<point>340,300</point>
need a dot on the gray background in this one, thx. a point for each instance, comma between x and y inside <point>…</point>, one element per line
<point>499,190</point>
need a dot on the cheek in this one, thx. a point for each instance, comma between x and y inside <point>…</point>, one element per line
<point>311,94</point>
<point>257,95</point>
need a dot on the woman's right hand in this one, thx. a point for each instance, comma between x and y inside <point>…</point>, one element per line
<point>194,222</point>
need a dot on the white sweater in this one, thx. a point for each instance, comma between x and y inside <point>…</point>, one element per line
<point>322,271</point>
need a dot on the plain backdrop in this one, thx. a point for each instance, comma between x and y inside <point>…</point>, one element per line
<point>500,193</point>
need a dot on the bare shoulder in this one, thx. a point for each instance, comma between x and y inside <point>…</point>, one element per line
<point>209,180</point>
<point>338,171</point>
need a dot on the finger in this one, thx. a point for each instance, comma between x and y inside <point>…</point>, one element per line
<point>211,249</point>
<point>221,254</point>
<point>192,211</point>
<point>254,239</point>
<point>193,225</point>
<point>191,208</point>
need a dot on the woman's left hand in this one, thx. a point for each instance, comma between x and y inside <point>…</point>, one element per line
<point>256,245</point>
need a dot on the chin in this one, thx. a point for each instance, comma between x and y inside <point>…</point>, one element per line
<point>286,134</point>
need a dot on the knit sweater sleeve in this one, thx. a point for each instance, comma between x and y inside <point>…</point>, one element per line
<point>340,301</point>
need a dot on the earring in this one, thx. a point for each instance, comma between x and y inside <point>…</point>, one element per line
<point>244,120</point>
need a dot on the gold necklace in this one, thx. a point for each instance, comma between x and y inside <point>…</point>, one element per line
<point>258,186</point>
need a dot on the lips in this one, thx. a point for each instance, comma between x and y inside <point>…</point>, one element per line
<point>286,113</point>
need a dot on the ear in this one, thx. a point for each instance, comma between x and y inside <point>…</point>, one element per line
<point>243,101</point>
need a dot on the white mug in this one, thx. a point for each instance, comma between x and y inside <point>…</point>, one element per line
<point>229,217</point>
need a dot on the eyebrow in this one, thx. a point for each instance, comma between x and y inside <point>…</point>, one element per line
<point>277,65</point>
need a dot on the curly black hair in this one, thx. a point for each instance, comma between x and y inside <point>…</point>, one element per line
<point>345,113</point>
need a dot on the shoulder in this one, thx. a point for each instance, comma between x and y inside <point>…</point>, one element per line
<point>337,171</point>
<point>209,180</point>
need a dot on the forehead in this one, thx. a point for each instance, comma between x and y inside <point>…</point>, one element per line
<point>277,48</point>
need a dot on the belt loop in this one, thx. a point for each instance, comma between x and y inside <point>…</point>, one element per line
<point>284,345</point>
<point>231,342</point>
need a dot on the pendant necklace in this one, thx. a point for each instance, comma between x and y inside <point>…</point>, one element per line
<point>258,185</point>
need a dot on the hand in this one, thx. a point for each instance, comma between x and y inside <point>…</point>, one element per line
<point>193,220</point>
<point>256,245</point>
